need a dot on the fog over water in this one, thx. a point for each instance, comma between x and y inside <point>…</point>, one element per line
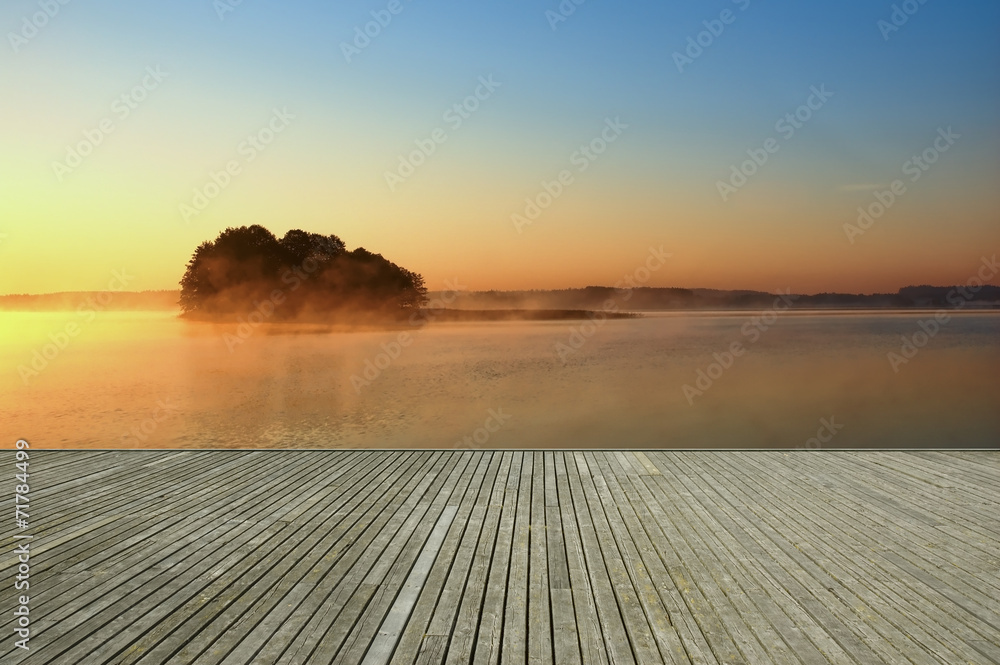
<point>149,379</point>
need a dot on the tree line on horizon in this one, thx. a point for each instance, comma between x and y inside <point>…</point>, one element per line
<point>301,275</point>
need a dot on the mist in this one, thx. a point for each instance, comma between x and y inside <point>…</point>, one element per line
<point>610,384</point>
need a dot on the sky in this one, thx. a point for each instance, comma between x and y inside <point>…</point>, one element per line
<point>741,137</point>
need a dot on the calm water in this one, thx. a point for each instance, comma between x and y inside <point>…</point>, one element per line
<point>292,387</point>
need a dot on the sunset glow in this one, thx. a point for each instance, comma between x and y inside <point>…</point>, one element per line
<point>429,158</point>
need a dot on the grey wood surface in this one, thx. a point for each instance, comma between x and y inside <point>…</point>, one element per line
<point>541,557</point>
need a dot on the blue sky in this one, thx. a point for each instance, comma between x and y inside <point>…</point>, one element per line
<point>353,120</point>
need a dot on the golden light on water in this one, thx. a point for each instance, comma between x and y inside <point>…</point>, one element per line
<point>295,387</point>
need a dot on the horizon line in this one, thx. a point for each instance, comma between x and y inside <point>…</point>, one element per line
<point>542,290</point>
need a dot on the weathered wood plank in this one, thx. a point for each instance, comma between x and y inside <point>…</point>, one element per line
<point>514,629</point>
<point>539,611</point>
<point>612,619</point>
<point>592,650</point>
<point>385,641</point>
<point>853,576</point>
<point>451,567</point>
<point>413,535</point>
<point>461,557</point>
<point>464,628</point>
<point>103,602</point>
<point>790,586</point>
<point>925,602</point>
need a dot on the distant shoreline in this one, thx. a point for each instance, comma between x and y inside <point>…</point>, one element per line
<point>427,316</point>
<point>570,303</point>
<point>460,315</point>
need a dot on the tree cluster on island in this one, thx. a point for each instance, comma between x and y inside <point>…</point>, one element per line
<point>302,275</point>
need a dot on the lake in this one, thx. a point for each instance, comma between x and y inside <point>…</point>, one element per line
<point>796,380</point>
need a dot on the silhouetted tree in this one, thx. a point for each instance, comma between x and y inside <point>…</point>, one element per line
<point>300,246</point>
<point>315,274</point>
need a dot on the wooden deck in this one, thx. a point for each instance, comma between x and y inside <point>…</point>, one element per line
<point>509,557</point>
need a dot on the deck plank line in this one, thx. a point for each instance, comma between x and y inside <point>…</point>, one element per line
<point>489,638</point>
<point>50,525</point>
<point>861,580</point>
<point>646,463</point>
<point>705,633</point>
<point>337,585</point>
<point>787,581</point>
<point>463,629</point>
<point>896,563</point>
<point>229,602</point>
<point>786,614</point>
<point>186,596</point>
<point>620,517</point>
<point>587,624</point>
<point>938,559</point>
<point>927,496</point>
<point>922,506</point>
<point>343,624</point>
<point>575,557</point>
<point>983,477</point>
<point>540,642</point>
<point>564,636</point>
<point>413,536</point>
<point>395,621</point>
<point>656,551</point>
<point>99,601</point>
<point>613,620</point>
<point>139,507</point>
<point>930,475</point>
<point>452,561</point>
<point>800,541</point>
<point>728,592</point>
<point>724,628</point>
<point>206,604</point>
<point>334,584</point>
<point>514,627</point>
<point>806,571</point>
<point>259,633</point>
<point>884,574</point>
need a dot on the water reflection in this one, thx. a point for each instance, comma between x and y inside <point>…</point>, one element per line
<point>150,380</point>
